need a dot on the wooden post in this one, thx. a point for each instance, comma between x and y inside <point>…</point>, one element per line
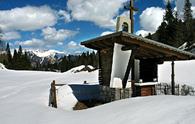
<point>173,78</point>
<point>129,66</point>
<point>53,94</point>
<point>131,15</point>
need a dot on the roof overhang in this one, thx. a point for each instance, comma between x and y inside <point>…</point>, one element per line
<point>146,48</point>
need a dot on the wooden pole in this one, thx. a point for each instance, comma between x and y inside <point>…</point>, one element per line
<point>53,91</point>
<point>173,78</point>
<point>131,16</point>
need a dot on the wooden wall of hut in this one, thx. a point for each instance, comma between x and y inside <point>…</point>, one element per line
<point>148,70</point>
<point>105,63</point>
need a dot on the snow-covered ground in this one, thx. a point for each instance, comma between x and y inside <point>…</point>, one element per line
<point>24,100</point>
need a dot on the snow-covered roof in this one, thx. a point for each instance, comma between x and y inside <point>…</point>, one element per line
<point>146,48</point>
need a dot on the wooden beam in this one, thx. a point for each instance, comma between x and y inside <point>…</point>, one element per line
<point>129,66</point>
<point>130,47</point>
<point>155,48</point>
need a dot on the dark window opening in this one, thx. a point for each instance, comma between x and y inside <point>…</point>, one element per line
<point>125,27</point>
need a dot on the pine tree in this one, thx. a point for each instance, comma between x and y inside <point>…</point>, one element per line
<point>2,44</point>
<point>162,33</point>
<point>149,36</point>
<point>27,63</point>
<point>15,59</point>
<point>9,57</point>
<point>20,51</point>
<point>166,32</point>
<point>171,26</point>
<point>168,18</point>
<point>188,21</point>
<point>179,37</point>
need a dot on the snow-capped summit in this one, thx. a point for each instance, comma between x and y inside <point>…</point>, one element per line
<point>47,53</point>
<point>45,56</point>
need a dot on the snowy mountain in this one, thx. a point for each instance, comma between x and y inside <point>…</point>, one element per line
<point>48,53</point>
<point>45,56</point>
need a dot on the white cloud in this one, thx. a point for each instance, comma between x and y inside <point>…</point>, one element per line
<point>64,15</point>
<point>31,43</point>
<point>143,33</point>
<point>106,33</point>
<point>100,12</point>
<point>151,18</point>
<point>73,45</point>
<point>11,35</point>
<point>52,36</point>
<point>27,18</point>
<point>74,48</point>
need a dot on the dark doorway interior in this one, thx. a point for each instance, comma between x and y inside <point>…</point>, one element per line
<point>148,70</point>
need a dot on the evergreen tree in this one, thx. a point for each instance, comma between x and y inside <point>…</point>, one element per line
<point>188,21</point>
<point>166,32</point>
<point>149,36</point>
<point>20,51</point>
<point>168,18</point>
<point>161,32</point>
<point>15,60</point>
<point>9,57</point>
<point>27,63</point>
<point>1,41</point>
<point>179,37</point>
<point>171,21</point>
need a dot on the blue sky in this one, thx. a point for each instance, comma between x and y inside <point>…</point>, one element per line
<point>63,24</point>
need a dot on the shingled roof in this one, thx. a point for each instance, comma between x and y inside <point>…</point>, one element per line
<point>146,48</point>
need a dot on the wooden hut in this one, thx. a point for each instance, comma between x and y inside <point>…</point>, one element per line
<point>149,53</point>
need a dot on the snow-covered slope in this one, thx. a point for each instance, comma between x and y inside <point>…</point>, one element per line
<point>2,66</point>
<point>24,100</point>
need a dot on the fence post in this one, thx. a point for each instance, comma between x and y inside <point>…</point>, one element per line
<point>173,78</point>
<point>53,94</point>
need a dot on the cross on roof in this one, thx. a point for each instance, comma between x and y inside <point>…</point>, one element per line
<point>131,8</point>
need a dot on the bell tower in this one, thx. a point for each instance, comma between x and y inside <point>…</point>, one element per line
<point>123,24</point>
<point>127,23</point>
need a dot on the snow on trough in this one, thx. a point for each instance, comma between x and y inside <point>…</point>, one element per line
<point>24,100</point>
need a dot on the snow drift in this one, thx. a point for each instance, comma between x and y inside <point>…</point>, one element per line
<point>81,68</point>
<point>24,100</point>
<point>2,66</point>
